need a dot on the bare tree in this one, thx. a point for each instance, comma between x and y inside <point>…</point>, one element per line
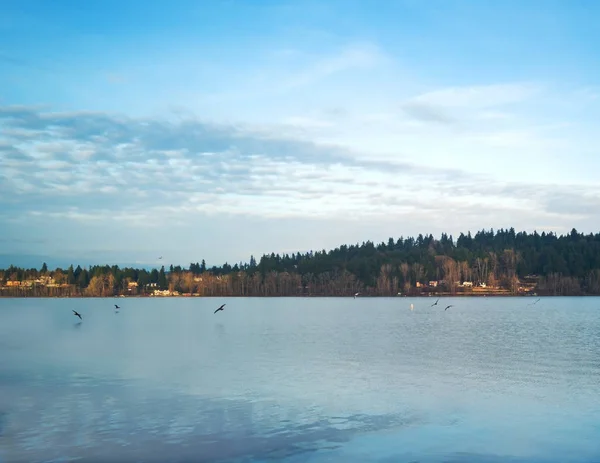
<point>481,270</point>
<point>418,272</point>
<point>451,274</point>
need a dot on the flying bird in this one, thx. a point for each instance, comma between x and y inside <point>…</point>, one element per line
<point>117,307</point>
<point>160,258</point>
<point>534,303</point>
<point>77,315</point>
<point>220,308</point>
<point>448,307</point>
<point>435,303</point>
<point>356,294</point>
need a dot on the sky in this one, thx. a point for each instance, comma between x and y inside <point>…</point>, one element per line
<point>218,130</point>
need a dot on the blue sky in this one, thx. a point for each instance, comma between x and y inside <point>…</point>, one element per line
<point>216,130</point>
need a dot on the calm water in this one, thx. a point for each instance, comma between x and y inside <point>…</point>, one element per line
<point>300,380</point>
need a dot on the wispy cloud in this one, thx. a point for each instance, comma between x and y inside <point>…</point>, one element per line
<point>427,113</point>
<point>453,105</point>
<point>284,74</point>
<point>98,167</point>
<point>360,56</point>
<point>480,96</point>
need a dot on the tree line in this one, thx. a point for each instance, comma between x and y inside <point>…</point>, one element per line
<point>557,265</point>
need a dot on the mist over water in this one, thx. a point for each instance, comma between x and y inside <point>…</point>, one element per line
<point>300,380</point>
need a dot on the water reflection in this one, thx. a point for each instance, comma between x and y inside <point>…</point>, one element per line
<point>92,420</point>
<point>220,329</point>
<point>306,381</point>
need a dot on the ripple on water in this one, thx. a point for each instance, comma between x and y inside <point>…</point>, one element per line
<point>316,381</point>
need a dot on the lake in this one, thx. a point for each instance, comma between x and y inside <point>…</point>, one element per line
<point>300,380</point>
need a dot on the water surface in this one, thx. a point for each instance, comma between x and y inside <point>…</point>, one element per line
<point>300,380</point>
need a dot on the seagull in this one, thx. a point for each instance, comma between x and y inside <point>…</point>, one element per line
<point>220,308</point>
<point>356,294</point>
<point>435,303</point>
<point>160,258</point>
<point>448,307</point>
<point>77,314</point>
<point>117,307</point>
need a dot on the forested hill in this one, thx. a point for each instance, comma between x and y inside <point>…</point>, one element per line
<point>501,262</point>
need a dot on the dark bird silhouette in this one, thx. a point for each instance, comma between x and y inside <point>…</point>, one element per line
<point>448,307</point>
<point>160,258</point>
<point>77,314</point>
<point>117,307</point>
<point>220,308</point>
<point>534,303</point>
<point>435,303</point>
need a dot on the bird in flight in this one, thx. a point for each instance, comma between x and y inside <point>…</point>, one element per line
<point>356,294</point>
<point>220,308</point>
<point>534,303</point>
<point>435,303</point>
<point>117,307</point>
<point>77,315</point>
<point>160,258</point>
<point>448,307</point>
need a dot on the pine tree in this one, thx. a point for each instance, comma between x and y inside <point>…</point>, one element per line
<point>71,275</point>
<point>162,279</point>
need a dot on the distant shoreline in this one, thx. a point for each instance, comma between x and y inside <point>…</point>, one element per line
<point>296,297</point>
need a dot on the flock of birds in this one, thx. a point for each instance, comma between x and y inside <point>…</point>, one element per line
<point>411,306</point>
<point>436,303</point>
<point>77,314</point>
<point>222,307</point>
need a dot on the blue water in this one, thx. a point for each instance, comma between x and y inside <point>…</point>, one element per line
<point>300,380</point>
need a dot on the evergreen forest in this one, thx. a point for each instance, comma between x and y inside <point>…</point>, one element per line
<point>501,262</point>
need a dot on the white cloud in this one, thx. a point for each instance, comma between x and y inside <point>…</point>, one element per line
<point>479,96</point>
<point>192,167</point>
<point>360,56</point>
<point>378,171</point>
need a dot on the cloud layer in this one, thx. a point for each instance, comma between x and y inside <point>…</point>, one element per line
<point>102,170</point>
